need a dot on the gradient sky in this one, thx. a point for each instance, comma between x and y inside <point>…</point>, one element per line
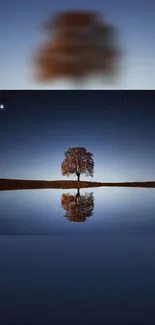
<point>21,33</point>
<point>118,127</point>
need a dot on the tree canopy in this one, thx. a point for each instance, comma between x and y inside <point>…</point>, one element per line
<point>79,43</point>
<point>78,161</point>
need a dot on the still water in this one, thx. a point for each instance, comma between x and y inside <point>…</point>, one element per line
<point>77,258</point>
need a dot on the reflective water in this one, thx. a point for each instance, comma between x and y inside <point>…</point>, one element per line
<point>78,258</point>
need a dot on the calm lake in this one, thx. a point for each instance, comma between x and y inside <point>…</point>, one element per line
<point>68,258</point>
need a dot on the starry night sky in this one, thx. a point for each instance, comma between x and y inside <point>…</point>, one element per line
<point>118,127</point>
<point>21,33</point>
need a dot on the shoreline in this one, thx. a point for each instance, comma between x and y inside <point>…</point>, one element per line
<point>19,184</point>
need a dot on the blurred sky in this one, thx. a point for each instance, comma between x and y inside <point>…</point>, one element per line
<point>21,33</point>
<point>118,127</point>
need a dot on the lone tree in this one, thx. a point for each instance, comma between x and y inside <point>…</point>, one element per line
<point>78,161</point>
<point>79,44</point>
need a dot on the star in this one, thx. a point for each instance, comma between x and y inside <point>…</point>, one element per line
<point>1,106</point>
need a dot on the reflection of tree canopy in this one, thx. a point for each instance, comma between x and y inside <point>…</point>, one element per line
<point>78,207</point>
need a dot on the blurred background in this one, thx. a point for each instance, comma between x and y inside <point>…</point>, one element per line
<point>24,34</point>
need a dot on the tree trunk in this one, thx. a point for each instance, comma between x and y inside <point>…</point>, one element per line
<point>78,176</point>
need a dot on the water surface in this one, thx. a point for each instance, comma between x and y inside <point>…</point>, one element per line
<point>78,260</point>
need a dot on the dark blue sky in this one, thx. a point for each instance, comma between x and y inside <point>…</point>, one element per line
<point>118,127</point>
<point>21,33</point>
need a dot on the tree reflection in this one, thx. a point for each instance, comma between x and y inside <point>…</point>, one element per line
<point>77,207</point>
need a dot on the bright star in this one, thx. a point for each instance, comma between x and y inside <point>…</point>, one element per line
<point>1,106</point>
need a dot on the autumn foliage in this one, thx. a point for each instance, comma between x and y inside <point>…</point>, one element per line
<point>78,161</point>
<point>78,44</point>
<point>78,207</point>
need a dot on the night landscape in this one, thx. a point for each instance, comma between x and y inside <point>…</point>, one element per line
<point>77,207</point>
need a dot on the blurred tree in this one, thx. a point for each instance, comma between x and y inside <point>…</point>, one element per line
<point>79,45</point>
<point>78,207</point>
<point>78,161</point>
